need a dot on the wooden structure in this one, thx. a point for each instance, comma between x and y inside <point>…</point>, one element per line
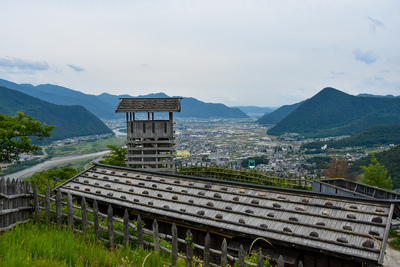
<point>314,228</point>
<point>344,187</point>
<point>150,142</point>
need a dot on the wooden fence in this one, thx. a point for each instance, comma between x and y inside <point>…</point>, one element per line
<point>245,175</point>
<point>18,204</point>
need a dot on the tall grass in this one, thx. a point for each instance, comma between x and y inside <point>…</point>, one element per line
<point>36,244</point>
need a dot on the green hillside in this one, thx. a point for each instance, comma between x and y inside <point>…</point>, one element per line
<point>277,115</point>
<point>334,113</point>
<point>70,121</point>
<point>389,158</point>
<point>372,136</point>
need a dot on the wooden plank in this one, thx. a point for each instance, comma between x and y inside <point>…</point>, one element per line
<point>224,251</point>
<point>140,239</point>
<point>207,245</point>
<point>174,254</point>
<point>84,216</point>
<point>47,204</point>
<point>70,211</point>
<point>126,229</point>
<point>156,238</point>
<point>58,208</point>
<point>96,220</point>
<point>189,248</point>
<point>110,223</point>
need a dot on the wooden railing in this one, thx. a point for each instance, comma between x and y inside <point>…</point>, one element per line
<point>245,175</point>
<point>18,204</point>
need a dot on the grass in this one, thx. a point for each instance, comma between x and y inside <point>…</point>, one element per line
<point>36,244</point>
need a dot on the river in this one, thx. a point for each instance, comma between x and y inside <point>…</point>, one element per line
<point>51,163</point>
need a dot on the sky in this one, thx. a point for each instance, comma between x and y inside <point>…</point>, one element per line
<point>264,53</point>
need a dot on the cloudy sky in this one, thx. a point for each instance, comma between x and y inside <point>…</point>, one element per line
<point>244,52</point>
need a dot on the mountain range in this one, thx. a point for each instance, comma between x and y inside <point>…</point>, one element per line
<point>103,106</point>
<point>333,113</point>
<point>70,121</point>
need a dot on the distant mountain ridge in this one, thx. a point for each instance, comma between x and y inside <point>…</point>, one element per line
<point>334,113</point>
<point>277,115</point>
<point>103,106</point>
<point>70,121</point>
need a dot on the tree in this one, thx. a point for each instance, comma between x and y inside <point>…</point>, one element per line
<point>336,168</point>
<point>375,175</point>
<point>116,157</point>
<point>15,134</point>
<point>52,177</point>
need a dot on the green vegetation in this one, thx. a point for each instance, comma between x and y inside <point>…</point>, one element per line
<point>35,244</point>
<point>116,157</point>
<point>52,177</point>
<point>372,136</point>
<point>376,175</point>
<point>257,160</point>
<point>390,159</point>
<point>70,121</point>
<point>16,133</point>
<point>334,113</point>
<point>395,243</point>
<point>84,147</point>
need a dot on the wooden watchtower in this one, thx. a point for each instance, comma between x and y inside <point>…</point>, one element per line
<point>150,142</point>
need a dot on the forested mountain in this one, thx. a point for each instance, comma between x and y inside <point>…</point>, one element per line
<point>70,121</point>
<point>334,113</point>
<point>372,136</point>
<point>277,115</point>
<point>389,158</point>
<point>103,106</point>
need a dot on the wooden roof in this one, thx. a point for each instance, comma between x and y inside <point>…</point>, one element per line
<point>333,225</point>
<point>149,105</point>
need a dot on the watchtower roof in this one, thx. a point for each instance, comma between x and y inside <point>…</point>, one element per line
<point>149,105</point>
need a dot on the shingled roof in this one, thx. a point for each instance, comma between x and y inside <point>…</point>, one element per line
<point>149,105</point>
<point>346,227</point>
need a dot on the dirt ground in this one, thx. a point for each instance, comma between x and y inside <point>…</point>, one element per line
<point>392,257</point>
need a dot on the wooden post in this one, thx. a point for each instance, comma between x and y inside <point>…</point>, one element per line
<point>140,240</point>
<point>47,204</point>
<point>260,262</point>
<point>96,220</point>
<point>2,187</point>
<point>110,224</point>
<point>281,262</point>
<point>84,216</point>
<point>70,211</point>
<point>126,229</point>
<point>241,256</point>
<point>189,248</point>
<point>224,253</point>
<point>156,238</point>
<point>207,244</point>
<point>300,264</point>
<point>174,255</point>
<point>58,207</point>
<point>36,201</point>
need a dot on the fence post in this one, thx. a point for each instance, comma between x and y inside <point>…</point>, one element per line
<point>2,187</point>
<point>84,216</point>
<point>156,238</point>
<point>207,244</point>
<point>58,207</point>
<point>126,229</point>
<point>96,220</point>
<point>110,226</point>
<point>281,262</point>
<point>70,211</point>
<point>224,253</point>
<point>28,190</point>
<point>300,264</point>
<point>241,256</point>
<point>36,201</point>
<point>260,258</point>
<point>189,248</point>
<point>174,255</point>
<point>139,231</point>
<point>47,204</point>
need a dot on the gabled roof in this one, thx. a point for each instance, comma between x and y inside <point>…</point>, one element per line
<point>344,227</point>
<point>149,105</point>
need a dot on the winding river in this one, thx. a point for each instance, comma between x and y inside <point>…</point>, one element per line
<point>51,163</point>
